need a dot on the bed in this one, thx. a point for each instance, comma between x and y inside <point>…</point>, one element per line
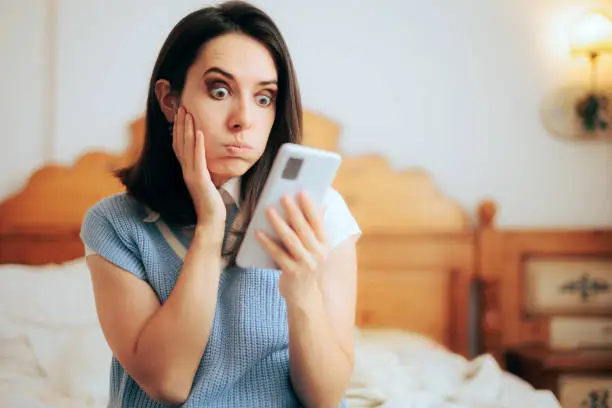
<point>418,324</point>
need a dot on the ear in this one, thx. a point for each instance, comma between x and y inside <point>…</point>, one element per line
<point>168,102</point>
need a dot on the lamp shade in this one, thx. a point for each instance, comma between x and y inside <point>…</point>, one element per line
<point>592,33</point>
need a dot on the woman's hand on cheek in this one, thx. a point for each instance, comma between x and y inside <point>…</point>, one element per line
<point>189,146</point>
<point>303,246</point>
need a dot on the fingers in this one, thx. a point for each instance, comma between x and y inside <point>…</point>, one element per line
<point>189,142</point>
<point>276,251</point>
<point>302,237</point>
<point>288,237</point>
<point>300,224</point>
<point>177,135</point>
<point>313,217</point>
<point>187,148</point>
<point>200,154</point>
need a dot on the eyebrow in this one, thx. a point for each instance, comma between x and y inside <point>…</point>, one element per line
<point>231,77</point>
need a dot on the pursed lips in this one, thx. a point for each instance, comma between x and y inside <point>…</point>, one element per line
<point>236,148</point>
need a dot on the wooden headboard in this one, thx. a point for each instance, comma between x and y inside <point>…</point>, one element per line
<point>416,255</point>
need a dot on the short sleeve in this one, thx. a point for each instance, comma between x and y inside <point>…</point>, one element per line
<point>339,222</point>
<point>106,232</point>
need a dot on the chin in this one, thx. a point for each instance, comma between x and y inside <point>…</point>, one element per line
<point>229,168</point>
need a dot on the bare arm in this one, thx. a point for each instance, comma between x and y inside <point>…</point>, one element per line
<point>321,332</point>
<point>319,288</point>
<point>160,346</point>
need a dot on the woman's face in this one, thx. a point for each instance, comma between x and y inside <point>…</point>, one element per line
<point>231,92</point>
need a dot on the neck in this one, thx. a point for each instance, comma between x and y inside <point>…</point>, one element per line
<point>218,180</point>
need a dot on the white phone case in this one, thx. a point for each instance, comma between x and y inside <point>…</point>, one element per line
<point>296,168</point>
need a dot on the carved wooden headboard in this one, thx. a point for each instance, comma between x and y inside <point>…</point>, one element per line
<point>416,255</point>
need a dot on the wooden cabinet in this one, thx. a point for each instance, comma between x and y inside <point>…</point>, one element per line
<point>548,309</point>
<point>579,378</point>
<point>573,295</point>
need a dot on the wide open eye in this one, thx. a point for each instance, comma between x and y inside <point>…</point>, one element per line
<point>219,92</point>
<point>264,100</point>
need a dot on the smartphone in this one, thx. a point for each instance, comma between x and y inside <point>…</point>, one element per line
<point>296,168</point>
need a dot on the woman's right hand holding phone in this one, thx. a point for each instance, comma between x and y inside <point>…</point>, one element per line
<point>188,145</point>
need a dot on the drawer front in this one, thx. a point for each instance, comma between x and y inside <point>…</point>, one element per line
<point>564,285</point>
<point>578,332</point>
<point>585,392</point>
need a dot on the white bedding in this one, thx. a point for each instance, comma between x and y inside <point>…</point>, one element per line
<point>53,355</point>
<point>52,351</point>
<point>395,369</point>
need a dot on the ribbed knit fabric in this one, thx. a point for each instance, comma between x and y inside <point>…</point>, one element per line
<point>246,361</point>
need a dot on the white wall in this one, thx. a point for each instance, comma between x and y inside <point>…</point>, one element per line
<point>24,113</point>
<point>453,87</point>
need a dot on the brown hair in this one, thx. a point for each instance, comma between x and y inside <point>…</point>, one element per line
<point>156,178</point>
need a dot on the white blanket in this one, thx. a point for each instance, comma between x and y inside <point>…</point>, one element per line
<point>395,369</point>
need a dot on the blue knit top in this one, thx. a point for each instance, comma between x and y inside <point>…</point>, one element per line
<point>246,361</point>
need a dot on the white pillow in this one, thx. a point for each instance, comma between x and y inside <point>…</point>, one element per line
<point>49,327</point>
<point>54,295</point>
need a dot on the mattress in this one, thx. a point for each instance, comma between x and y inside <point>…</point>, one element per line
<point>54,355</point>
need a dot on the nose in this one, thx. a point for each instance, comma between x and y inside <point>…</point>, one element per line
<point>241,117</point>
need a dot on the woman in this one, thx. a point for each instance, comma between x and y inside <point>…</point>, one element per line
<point>186,325</point>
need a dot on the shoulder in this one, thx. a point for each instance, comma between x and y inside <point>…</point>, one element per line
<point>120,212</point>
<point>119,207</point>
<point>119,215</point>
<point>339,221</point>
<point>111,228</point>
